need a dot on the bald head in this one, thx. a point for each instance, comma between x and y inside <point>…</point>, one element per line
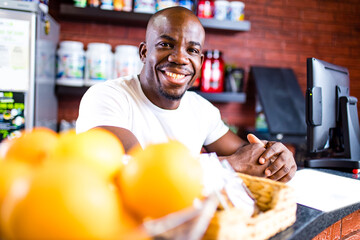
<point>176,17</point>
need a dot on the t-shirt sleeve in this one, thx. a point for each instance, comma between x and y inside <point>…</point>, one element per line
<point>216,128</point>
<point>102,105</point>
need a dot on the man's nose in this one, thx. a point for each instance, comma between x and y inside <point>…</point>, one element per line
<point>179,56</point>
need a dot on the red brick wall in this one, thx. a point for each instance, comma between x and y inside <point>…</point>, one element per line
<point>283,34</point>
<point>347,228</point>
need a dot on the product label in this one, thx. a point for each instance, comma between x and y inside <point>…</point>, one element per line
<point>126,68</point>
<point>70,66</point>
<point>215,75</point>
<point>205,9</point>
<point>12,118</point>
<point>99,68</point>
<point>162,4</point>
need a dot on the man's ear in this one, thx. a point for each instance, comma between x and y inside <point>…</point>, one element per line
<point>202,58</point>
<point>142,51</point>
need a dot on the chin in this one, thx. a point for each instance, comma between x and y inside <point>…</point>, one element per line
<point>171,96</point>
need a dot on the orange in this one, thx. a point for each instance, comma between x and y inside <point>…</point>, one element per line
<point>33,146</point>
<point>98,148</point>
<point>161,179</point>
<point>4,147</point>
<point>65,201</point>
<point>9,172</point>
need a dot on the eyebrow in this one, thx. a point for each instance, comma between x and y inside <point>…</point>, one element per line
<point>173,39</point>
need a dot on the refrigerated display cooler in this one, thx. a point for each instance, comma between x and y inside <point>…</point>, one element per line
<point>28,43</point>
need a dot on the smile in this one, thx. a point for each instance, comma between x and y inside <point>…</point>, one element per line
<point>176,78</point>
<point>175,75</point>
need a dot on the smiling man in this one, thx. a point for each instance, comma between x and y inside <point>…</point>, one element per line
<point>155,106</point>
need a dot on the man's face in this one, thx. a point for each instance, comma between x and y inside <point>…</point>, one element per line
<point>172,55</point>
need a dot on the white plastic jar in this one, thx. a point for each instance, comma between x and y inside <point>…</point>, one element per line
<point>127,60</point>
<point>221,9</point>
<point>70,63</point>
<point>99,63</point>
<point>237,11</point>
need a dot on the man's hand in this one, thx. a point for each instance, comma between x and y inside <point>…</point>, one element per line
<point>259,158</point>
<point>279,159</point>
<point>246,160</point>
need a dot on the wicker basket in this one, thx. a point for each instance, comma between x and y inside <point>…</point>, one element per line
<point>278,211</point>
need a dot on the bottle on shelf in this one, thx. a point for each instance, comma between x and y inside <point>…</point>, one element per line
<point>212,79</point>
<point>118,5</point>
<point>107,5</point>
<point>70,63</point>
<point>122,5</point>
<point>237,11</point>
<point>80,3</point>
<point>99,63</point>
<point>222,8</point>
<point>94,3</point>
<point>205,8</point>
<point>144,6</point>
<point>217,72</point>
<point>126,61</point>
<point>206,72</point>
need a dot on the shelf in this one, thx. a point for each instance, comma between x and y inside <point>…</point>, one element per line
<point>68,11</point>
<point>62,90</point>
<point>224,97</point>
<point>210,23</point>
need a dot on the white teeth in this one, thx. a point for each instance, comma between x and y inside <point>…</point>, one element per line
<point>175,75</point>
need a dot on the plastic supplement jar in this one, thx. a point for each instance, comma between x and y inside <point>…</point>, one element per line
<point>221,9</point>
<point>99,63</point>
<point>70,63</point>
<point>237,11</point>
<point>127,60</point>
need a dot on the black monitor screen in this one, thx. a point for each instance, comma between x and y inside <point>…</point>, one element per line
<point>326,82</point>
<point>332,119</point>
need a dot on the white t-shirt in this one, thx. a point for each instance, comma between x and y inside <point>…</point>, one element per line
<point>122,103</point>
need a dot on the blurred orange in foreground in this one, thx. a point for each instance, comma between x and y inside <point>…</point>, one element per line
<point>161,179</point>
<point>9,172</point>
<point>98,148</point>
<point>32,146</point>
<point>64,197</point>
<point>64,201</point>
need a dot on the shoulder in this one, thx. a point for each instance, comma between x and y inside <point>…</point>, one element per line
<point>110,87</point>
<point>194,99</point>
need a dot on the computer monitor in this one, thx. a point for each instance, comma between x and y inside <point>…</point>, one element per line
<point>331,117</point>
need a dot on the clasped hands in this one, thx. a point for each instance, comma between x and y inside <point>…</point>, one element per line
<point>264,159</point>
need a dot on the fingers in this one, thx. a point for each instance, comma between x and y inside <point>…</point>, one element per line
<point>284,176</point>
<point>282,166</point>
<point>253,139</point>
<point>273,150</point>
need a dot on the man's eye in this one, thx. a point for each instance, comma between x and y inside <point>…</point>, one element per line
<point>193,50</point>
<point>164,44</point>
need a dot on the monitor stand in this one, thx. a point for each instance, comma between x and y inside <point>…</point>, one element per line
<point>350,126</point>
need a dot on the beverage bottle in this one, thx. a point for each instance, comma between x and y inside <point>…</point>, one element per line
<point>217,72</point>
<point>206,72</point>
<point>206,8</point>
<point>212,77</point>
<point>94,3</point>
<point>118,5</point>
